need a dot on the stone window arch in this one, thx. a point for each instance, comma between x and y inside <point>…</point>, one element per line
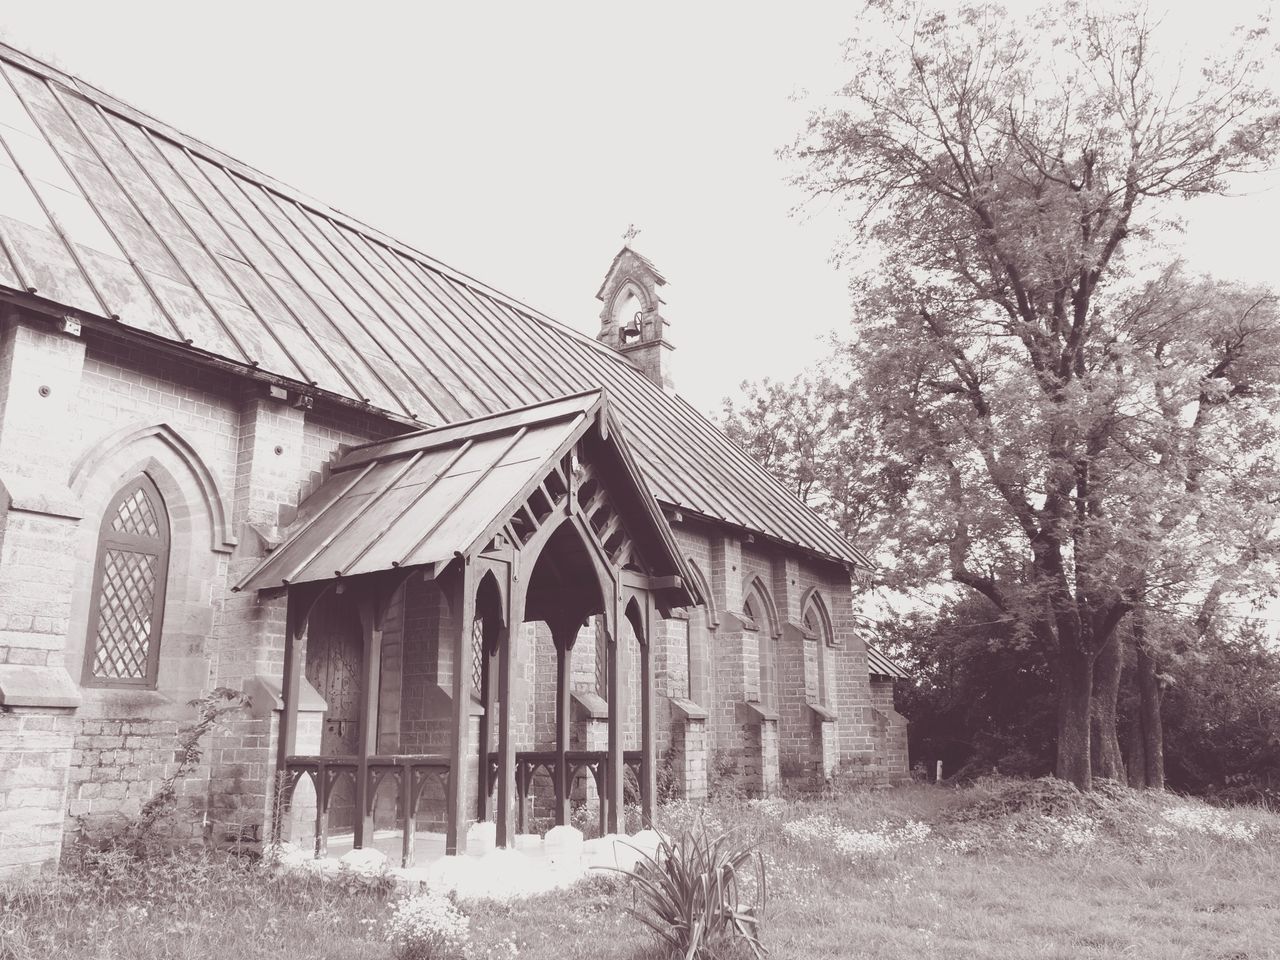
<point>626,310</point>
<point>130,579</point>
<point>761,612</point>
<point>817,622</point>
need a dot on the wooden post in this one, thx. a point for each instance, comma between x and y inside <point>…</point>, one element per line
<point>616,817</point>
<point>322,810</point>
<point>506,742</point>
<point>486,729</point>
<point>465,605</point>
<point>407,815</point>
<point>649,769</point>
<point>371,673</point>
<point>290,688</point>
<point>564,633</point>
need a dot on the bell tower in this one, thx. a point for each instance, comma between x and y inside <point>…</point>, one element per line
<point>631,321</point>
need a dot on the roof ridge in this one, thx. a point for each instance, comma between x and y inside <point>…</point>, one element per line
<point>471,421</point>
<point>127,111</point>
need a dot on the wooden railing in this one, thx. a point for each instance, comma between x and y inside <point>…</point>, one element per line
<point>409,772</point>
<point>594,762</point>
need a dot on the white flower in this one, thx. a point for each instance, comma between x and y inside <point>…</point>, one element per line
<point>1078,831</point>
<point>429,925</point>
<point>856,843</point>
<point>1211,822</point>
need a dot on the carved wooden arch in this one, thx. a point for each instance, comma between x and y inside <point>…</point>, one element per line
<point>502,598</point>
<point>113,445</point>
<point>606,575</point>
<point>635,610</point>
<point>756,587</point>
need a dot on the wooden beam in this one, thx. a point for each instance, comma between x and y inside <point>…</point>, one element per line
<point>505,813</point>
<point>456,822</point>
<point>613,779</point>
<point>648,745</point>
<point>563,634</point>
<point>299,605</point>
<point>486,732</point>
<point>642,581</point>
<point>370,606</point>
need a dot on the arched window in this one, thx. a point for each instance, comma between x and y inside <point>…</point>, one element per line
<point>818,624</point>
<point>759,611</point>
<point>127,608</point>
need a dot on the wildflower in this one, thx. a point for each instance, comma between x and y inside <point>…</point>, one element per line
<point>1077,832</point>
<point>772,807</point>
<point>856,843</point>
<point>1210,822</point>
<point>429,927</point>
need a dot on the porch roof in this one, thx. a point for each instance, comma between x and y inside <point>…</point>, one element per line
<point>423,498</point>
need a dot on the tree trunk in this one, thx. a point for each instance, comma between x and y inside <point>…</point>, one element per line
<point>1149,709</point>
<point>1109,762</point>
<point>1137,753</point>
<point>1075,691</point>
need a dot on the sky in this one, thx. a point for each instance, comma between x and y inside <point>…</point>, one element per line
<point>518,141</point>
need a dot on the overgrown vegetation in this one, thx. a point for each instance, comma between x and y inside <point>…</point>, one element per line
<point>978,701</point>
<point>155,824</point>
<point>1001,869</point>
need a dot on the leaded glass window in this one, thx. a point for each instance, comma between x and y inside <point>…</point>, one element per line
<point>127,609</point>
<point>477,656</point>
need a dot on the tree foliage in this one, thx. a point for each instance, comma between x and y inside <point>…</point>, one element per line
<point>1053,413</point>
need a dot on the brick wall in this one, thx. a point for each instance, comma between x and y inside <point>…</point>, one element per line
<point>79,417</point>
<point>34,752</point>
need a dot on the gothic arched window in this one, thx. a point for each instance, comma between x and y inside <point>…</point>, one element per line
<point>759,611</point>
<point>818,624</point>
<point>127,608</point>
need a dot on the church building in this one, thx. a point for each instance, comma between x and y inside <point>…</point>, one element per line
<point>464,563</point>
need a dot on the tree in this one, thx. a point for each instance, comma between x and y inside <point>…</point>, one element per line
<point>803,433</point>
<point>978,699</point>
<point>1079,428</point>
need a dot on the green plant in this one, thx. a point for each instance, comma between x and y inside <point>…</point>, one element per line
<point>724,778</point>
<point>141,835</point>
<point>693,891</point>
<point>210,708</point>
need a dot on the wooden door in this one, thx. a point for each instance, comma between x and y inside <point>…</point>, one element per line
<point>334,658</point>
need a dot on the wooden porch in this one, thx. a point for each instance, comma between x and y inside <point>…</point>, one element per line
<point>529,516</point>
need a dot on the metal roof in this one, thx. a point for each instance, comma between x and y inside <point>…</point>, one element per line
<point>424,498</point>
<point>108,212</point>
<point>880,665</point>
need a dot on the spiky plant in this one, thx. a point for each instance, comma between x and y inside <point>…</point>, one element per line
<point>692,893</point>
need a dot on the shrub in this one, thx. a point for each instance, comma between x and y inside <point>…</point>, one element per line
<point>428,927</point>
<point>693,889</point>
<point>724,780</point>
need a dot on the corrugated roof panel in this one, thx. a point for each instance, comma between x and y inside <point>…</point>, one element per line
<point>880,665</point>
<point>189,244</point>
<point>418,500</point>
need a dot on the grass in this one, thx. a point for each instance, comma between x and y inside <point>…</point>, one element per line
<point>1002,870</point>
